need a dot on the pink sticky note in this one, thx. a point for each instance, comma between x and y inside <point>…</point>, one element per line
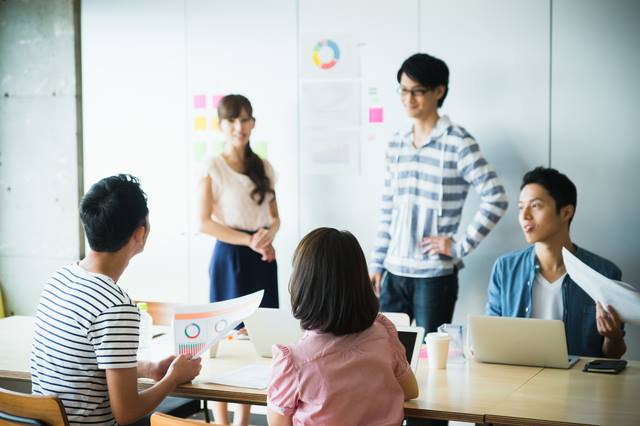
<point>216,100</point>
<point>199,101</point>
<point>375,115</point>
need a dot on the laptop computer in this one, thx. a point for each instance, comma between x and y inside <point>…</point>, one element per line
<point>519,341</point>
<point>268,326</point>
<point>411,338</point>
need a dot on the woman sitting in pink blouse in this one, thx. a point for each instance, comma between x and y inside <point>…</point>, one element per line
<point>350,367</point>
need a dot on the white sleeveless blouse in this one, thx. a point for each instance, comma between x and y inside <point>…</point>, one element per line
<point>233,205</point>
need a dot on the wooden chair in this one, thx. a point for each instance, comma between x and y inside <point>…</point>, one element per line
<point>162,314</point>
<point>24,409</point>
<point>161,419</point>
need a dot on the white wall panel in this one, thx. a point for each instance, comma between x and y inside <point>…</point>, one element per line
<point>386,33</point>
<point>498,55</point>
<point>595,141</point>
<point>230,49</point>
<point>134,76</point>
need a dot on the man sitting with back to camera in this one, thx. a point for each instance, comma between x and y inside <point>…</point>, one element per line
<point>533,282</point>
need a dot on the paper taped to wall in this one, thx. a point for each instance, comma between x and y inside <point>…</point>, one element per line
<point>624,297</point>
<point>198,327</point>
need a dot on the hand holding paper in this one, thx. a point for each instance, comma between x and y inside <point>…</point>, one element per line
<point>624,297</point>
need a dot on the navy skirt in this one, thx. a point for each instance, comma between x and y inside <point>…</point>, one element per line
<point>236,271</point>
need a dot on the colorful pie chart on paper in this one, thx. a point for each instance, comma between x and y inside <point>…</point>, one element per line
<point>192,330</point>
<point>326,54</point>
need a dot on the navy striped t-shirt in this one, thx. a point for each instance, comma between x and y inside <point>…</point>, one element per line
<point>85,324</point>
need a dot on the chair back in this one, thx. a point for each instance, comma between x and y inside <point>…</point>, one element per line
<point>24,409</point>
<point>398,318</point>
<point>161,419</point>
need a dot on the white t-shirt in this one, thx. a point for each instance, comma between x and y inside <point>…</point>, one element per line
<point>546,298</point>
<point>231,192</point>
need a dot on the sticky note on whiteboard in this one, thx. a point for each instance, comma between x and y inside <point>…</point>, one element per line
<point>200,101</point>
<point>375,115</point>
<point>200,123</point>
<point>216,100</point>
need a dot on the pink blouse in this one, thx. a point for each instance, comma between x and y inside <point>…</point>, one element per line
<point>341,380</point>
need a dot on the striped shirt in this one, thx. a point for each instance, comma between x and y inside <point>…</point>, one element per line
<point>424,192</point>
<point>85,324</point>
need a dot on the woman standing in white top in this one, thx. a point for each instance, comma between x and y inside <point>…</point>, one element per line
<point>238,207</point>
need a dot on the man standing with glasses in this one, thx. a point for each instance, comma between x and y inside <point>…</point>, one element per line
<point>429,169</point>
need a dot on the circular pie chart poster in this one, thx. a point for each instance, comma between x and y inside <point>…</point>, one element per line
<point>326,54</point>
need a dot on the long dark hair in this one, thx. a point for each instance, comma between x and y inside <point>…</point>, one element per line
<point>230,108</point>
<point>329,286</point>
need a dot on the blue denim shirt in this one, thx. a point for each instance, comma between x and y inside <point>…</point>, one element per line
<point>510,288</point>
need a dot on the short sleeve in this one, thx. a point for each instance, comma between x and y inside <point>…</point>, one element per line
<point>211,168</point>
<point>399,354</point>
<point>282,394</point>
<point>114,334</point>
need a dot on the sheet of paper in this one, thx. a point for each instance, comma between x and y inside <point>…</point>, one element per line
<point>624,297</point>
<point>198,327</point>
<point>331,151</point>
<point>253,376</point>
<point>333,103</point>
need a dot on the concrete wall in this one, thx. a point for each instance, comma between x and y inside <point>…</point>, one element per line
<point>39,146</point>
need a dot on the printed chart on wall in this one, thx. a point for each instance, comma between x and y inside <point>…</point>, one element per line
<point>330,104</point>
<point>198,327</point>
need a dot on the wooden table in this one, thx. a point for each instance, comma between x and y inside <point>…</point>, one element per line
<point>569,397</point>
<point>467,391</point>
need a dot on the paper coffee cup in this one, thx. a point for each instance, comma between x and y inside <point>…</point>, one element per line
<point>437,349</point>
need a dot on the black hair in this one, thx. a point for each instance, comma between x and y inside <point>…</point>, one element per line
<point>427,70</point>
<point>330,287</point>
<point>112,210</point>
<point>558,185</point>
<point>230,108</point>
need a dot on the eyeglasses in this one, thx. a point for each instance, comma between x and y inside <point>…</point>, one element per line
<point>416,93</point>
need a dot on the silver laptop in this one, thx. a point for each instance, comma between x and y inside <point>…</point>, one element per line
<point>411,338</point>
<point>268,326</point>
<point>519,341</point>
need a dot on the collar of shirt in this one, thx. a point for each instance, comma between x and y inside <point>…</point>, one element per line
<point>440,129</point>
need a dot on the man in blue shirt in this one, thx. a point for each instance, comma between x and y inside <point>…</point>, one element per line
<point>533,282</point>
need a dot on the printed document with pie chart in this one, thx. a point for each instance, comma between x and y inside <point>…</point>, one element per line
<point>198,327</point>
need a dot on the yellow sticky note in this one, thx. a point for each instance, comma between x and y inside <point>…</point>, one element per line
<point>215,124</point>
<point>200,123</point>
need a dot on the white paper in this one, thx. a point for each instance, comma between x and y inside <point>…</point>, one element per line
<point>330,151</point>
<point>624,297</point>
<point>330,103</point>
<point>254,376</point>
<point>198,327</point>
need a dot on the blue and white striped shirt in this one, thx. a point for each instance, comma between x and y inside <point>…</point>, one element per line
<point>424,192</point>
<point>85,324</point>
